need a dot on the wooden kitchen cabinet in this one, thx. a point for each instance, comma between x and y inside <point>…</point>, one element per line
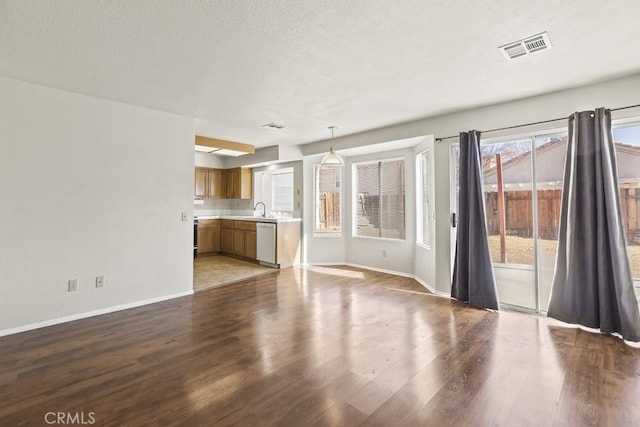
<point>238,242</point>
<point>201,183</point>
<point>245,236</point>
<point>250,247</point>
<point>233,183</point>
<point>239,238</point>
<point>238,183</point>
<point>208,236</point>
<point>215,184</point>
<point>227,240</point>
<point>228,183</point>
<point>209,183</point>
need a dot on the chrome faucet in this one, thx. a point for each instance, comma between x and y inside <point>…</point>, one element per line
<point>264,208</point>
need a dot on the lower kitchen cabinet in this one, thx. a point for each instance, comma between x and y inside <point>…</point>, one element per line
<point>239,238</point>
<point>227,240</point>
<point>208,236</point>
<point>238,242</point>
<point>250,244</point>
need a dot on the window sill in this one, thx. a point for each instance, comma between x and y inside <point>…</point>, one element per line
<point>387,239</point>
<point>321,234</point>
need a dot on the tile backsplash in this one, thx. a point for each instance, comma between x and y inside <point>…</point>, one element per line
<point>224,207</point>
<point>235,212</point>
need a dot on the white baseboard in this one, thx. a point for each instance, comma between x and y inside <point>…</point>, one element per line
<point>79,316</point>
<point>425,284</point>
<point>382,270</point>
<point>322,264</point>
<point>431,288</point>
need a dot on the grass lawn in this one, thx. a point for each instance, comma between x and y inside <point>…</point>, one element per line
<point>520,251</point>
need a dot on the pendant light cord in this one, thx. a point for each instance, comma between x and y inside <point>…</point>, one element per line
<point>332,129</point>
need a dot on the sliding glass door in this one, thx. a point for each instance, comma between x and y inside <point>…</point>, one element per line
<point>627,142</point>
<point>507,169</point>
<point>522,181</point>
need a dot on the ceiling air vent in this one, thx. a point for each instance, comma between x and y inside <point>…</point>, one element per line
<point>275,126</point>
<point>526,46</point>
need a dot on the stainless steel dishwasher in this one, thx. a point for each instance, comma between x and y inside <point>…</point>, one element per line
<point>266,243</point>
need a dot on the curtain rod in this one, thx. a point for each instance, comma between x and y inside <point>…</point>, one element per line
<point>533,123</point>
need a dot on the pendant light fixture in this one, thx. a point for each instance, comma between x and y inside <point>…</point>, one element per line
<point>332,159</point>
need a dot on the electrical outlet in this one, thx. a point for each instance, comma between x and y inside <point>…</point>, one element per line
<point>384,253</point>
<point>73,285</point>
<point>99,281</point>
<point>184,217</point>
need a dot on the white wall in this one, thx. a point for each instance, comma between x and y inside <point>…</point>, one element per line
<point>611,94</point>
<point>90,187</point>
<point>207,160</point>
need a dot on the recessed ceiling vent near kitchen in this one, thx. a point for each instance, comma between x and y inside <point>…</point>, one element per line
<point>526,46</point>
<point>276,126</point>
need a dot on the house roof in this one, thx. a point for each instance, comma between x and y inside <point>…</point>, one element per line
<point>550,158</point>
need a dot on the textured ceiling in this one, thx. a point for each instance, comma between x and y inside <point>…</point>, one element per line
<point>357,64</point>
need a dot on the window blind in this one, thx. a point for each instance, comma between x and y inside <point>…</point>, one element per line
<point>282,190</point>
<point>379,199</point>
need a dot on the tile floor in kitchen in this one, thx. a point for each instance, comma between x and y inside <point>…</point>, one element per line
<point>210,271</point>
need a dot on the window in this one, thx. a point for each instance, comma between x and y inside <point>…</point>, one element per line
<point>275,190</point>
<point>379,199</point>
<point>328,190</point>
<point>282,192</point>
<point>423,202</point>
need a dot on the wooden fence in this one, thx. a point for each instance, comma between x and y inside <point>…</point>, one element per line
<point>328,211</point>
<point>630,205</point>
<point>519,218</point>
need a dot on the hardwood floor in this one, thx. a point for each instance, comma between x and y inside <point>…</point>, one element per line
<point>318,346</point>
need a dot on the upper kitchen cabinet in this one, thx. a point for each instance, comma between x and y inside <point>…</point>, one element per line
<point>209,183</point>
<point>201,183</point>
<point>238,183</point>
<point>216,183</point>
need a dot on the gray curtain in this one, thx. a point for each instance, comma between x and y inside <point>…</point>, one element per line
<point>473,279</point>
<point>592,283</point>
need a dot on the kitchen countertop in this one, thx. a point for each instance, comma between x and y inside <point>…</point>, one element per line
<point>249,218</point>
